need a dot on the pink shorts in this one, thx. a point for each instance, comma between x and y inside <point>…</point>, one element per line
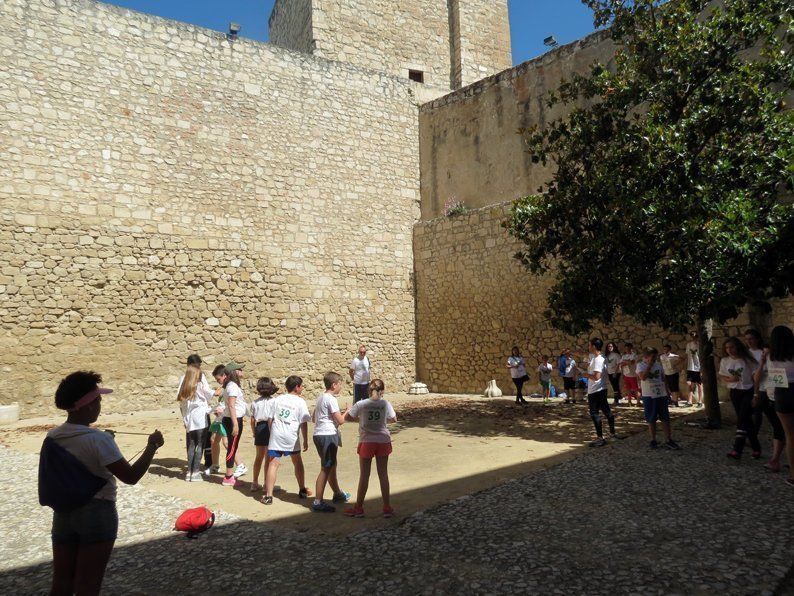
<point>630,383</point>
<point>370,450</point>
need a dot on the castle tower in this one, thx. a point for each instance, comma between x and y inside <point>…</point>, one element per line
<point>442,43</point>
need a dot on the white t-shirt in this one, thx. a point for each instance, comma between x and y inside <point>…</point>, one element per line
<point>520,369</point>
<point>259,408</point>
<point>360,368</point>
<point>287,412</point>
<point>194,410</point>
<point>613,362</point>
<point>668,363</point>
<point>628,364</point>
<point>94,448</point>
<point>788,365</point>
<point>736,367</point>
<point>372,415</point>
<point>653,384</point>
<point>570,368</point>
<point>692,357</point>
<point>327,406</point>
<point>232,389</point>
<point>545,371</point>
<point>597,364</point>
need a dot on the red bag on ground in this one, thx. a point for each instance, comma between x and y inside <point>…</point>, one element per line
<point>195,521</point>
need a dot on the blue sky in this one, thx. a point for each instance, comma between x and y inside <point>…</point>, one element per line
<point>531,20</point>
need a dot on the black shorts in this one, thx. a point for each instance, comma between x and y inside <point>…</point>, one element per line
<point>672,383</point>
<point>261,434</point>
<point>784,400</point>
<point>693,376</point>
<point>568,383</point>
<point>327,448</point>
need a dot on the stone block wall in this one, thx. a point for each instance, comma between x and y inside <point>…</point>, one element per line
<point>166,191</point>
<point>290,25</point>
<point>469,145</point>
<point>480,41</point>
<point>474,301</point>
<point>386,36</point>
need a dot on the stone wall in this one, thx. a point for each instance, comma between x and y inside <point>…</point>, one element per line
<point>474,301</point>
<point>482,44</point>
<point>386,36</point>
<point>469,145</point>
<point>166,191</point>
<point>290,25</point>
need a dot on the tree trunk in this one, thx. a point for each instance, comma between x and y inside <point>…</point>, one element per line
<point>708,372</point>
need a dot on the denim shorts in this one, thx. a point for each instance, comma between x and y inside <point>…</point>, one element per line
<point>94,522</point>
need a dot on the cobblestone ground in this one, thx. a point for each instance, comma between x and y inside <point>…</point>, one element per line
<point>620,519</point>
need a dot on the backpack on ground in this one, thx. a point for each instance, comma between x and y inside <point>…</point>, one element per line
<point>195,521</point>
<point>65,484</point>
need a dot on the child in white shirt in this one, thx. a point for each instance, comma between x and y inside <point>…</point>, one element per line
<point>327,440</point>
<point>372,416</point>
<point>260,427</point>
<point>288,416</point>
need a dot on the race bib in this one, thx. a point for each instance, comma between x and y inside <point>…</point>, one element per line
<point>657,390</point>
<point>284,414</point>
<point>778,378</point>
<point>373,419</point>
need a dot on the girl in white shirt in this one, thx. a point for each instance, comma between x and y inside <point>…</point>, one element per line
<point>372,416</point>
<point>781,372</point>
<point>260,427</point>
<point>736,370</point>
<point>193,398</point>
<point>763,403</point>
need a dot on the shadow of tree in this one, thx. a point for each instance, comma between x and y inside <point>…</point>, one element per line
<point>552,422</point>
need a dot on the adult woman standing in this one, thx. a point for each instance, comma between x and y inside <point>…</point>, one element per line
<point>78,468</point>
<point>762,404</point>
<point>736,369</point>
<point>518,371</point>
<point>612,356</point>
<point>781,373</point>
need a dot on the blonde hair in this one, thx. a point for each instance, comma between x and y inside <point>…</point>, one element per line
<point>189,384</point>
<point>376,386</point>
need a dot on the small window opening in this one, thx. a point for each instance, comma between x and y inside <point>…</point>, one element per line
<point>417,76</point>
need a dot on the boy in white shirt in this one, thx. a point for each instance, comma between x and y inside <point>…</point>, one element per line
<point>596,375</point>
<point>654,396</point>
<point>327,440</point>
<point>671,363</point>
<point>694,380</point>
<point>544,376</point>
<point>569,378</point>
<point>288,416</point>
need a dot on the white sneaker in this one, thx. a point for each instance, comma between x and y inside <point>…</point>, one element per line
<point>196,477</point>
<point>240,470</point>
<point>207,471</point>
<point>188,477</point>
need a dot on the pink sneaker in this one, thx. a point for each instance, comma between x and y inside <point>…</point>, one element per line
<point>230,481</point>
<point>388,512</point>
<point>354,512</point>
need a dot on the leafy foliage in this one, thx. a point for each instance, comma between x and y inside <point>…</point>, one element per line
<point>670,198</point>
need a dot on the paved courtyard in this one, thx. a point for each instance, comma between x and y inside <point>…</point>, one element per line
<point>621,519</point>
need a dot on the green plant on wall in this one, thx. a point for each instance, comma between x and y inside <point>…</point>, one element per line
<point>672,173</point>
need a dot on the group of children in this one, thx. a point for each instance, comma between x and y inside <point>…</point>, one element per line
<point>621,373</point>
<point>279,425</point>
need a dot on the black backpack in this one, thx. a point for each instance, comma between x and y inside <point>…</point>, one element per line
<point>65,483</point>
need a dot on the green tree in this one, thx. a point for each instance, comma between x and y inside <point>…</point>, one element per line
<point>670,194</point>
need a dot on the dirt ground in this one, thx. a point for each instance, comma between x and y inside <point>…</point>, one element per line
<point>445,447</point>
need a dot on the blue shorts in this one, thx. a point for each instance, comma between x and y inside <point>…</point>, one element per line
<point>655,409</point>
<point>273,453</point>
<point>96,521</point>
